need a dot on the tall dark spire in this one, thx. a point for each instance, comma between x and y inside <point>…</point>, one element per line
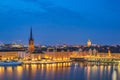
<point>31,35</point>
<point>31,42</point>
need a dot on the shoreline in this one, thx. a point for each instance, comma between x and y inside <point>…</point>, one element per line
<point>46,62</point>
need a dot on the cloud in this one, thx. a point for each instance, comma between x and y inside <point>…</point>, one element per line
<point>48,11</point>
<point>19,5</point>
<point>36,10</point>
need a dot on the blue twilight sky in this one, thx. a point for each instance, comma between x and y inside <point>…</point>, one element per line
<point>60,21</point>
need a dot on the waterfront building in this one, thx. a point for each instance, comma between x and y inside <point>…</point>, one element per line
<point>11,54</point>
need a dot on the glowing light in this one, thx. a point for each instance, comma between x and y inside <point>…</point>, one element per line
<point>19,70</point>
<point>114,75</point>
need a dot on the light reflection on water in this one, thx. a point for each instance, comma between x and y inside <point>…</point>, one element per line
<point>114,75</point>
<point>62,71</point>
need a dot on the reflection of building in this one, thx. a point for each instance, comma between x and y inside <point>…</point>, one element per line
<point>89,43</point>
<point>31,43</point>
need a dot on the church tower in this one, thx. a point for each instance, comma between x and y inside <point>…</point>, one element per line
<point>31,43</point>
<point>89,43</point>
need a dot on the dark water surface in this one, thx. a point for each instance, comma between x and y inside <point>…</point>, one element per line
<point>63,71</point>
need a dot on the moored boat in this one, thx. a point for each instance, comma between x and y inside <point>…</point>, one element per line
<point>10,63</point>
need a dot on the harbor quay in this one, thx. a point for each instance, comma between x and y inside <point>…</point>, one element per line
<point>58,57</point>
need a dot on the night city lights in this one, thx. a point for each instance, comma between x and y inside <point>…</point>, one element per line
<point>59,40</point>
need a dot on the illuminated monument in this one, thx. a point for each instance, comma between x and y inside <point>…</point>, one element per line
<point>31,43</point>
<point>89,43</point>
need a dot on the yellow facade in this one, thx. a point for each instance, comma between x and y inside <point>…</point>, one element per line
<point>8,55</point>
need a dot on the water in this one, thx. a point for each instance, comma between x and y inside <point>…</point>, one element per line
<point>65,71</point>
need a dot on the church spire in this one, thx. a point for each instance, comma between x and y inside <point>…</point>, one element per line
<point>31,42</point>
<point>31,35</point>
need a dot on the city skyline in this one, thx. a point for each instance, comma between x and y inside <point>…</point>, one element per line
<point>59,39</point>
<point>88,41</point>
<point>59,22</point>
